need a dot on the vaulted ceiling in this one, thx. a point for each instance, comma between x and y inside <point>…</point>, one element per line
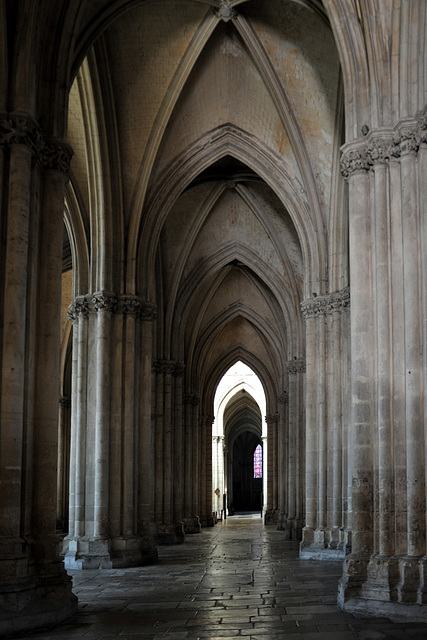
<point>206,138</point>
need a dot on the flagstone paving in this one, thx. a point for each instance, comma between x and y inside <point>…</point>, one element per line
<point>240,579</point>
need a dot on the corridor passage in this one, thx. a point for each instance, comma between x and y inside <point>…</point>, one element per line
<point>239,579</point>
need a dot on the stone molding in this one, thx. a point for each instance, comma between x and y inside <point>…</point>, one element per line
<point>324,304</point>
<point>296,366</point>
<point>19,128</point>
<point>382,145</point>
<point>191,398</point>
<point>102,300</point>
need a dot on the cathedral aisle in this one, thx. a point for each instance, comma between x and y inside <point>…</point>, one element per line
<point>239,579</point>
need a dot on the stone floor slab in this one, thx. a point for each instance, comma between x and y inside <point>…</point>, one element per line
<point>240,579</point>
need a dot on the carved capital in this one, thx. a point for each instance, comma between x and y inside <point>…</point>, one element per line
<point>407,140</point>
<point>355,160</point>
<point>297,365</point>
<point>422,128</point>
<point>56,155</point>
<point>164,366</point>
<point>148,311</point>
<point>380,150</point>
<point>314,307</point>
<point>329,303</point>
<point>283,399</point>
<point>339,301</point>
<point>20,128</point>
<point>272,418</point>
<point>129,305</point>
<point>207,420</point>
<point>80,306</point>
<point>191,398</point>
<point>104,301</point>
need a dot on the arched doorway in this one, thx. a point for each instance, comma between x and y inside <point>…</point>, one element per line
<point>238,430</point>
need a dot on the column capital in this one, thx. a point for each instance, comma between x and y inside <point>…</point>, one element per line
<point>20,128</point>
<point>297,365</point>
<point>191,398</point>
<point>272,418</point>
<point>324,304</point>
<point>384,144</point>
<point>126,304</point>
<point>283,398</point>
<point>104,301</point>
<point>164,366</point>
<point>80,306</point>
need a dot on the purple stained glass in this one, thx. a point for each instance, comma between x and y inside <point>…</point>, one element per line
<point>258,462</point>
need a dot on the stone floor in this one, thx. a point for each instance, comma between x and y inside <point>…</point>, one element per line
<point>239,579</point>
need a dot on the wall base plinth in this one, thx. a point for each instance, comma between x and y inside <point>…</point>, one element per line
<point>192,525</point>
<point>102,553</point>
<point>31,604</point>
<point>389,584</point>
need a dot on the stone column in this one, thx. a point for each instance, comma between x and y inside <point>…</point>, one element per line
<point>283,455</point>
<point>63,475</point>
<point>168,531</point>
<point>205,471</point>
<point>191,517</point>
<point>322,535</point>
<point>145,440</point>
<point>387,373</point>
<point>178,446</point>
<point>271,507</point>
<point>111,503</point>
<point>78,314</point>
<point>34,588</point>
<point>411,570</point>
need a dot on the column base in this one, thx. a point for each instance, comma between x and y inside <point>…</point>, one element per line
<point>101,553</point>
<point>192,525</point>
<point>32,595</point>
<point>271,516</point>
<point>207,521</point>
<point>170,533</point>
<point>283,525</point>
<point>390,584</point>
<point>322,544</point>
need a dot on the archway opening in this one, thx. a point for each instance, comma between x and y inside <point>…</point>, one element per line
<point>239,443</point>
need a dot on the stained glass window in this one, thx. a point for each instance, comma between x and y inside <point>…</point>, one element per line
<point>258,462</point>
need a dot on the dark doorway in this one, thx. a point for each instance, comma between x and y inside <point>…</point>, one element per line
<point>247,489</point>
